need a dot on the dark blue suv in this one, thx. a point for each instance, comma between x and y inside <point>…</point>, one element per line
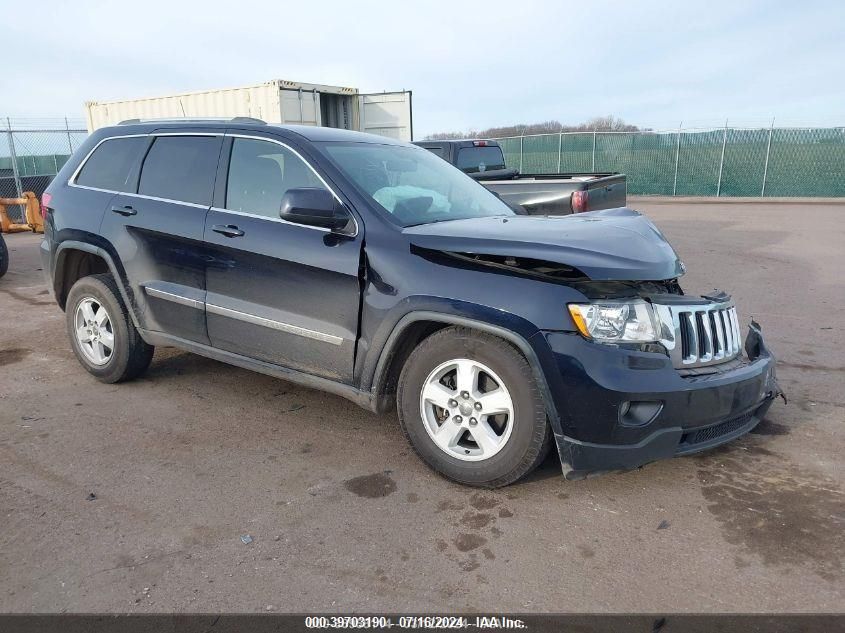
<point>374,270</point>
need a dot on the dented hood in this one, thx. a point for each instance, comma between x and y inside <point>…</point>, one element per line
<point>610,245</point>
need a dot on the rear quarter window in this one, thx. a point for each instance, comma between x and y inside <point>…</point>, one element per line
<point>110,166</point>
<point>181,168</point>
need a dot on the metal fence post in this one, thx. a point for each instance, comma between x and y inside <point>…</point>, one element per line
<point>13,155</point>
<point>521,144</point>
<point>766,165</point>
<point>69,143</point>
<point>677,159</point>
<point>722,160</point>
<point>559,150</point>
<point>593,168</point>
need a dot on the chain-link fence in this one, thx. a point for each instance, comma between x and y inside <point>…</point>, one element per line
<point>794,162</point>
<point>32,151</point>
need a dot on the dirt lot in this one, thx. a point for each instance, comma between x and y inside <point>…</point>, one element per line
<point>195,454</point>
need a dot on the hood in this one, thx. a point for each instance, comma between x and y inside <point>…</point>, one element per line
<point>610,245</point>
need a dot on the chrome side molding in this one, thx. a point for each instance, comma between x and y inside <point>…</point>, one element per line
<point>276,325</point>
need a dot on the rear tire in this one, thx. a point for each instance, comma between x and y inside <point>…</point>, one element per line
<point>4,256</point>
<point>102,334</point>
<point>471,409</point>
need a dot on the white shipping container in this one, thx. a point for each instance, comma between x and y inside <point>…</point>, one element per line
<point>278,101</point>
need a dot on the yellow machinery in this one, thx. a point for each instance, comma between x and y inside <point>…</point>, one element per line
<point>34,221</point>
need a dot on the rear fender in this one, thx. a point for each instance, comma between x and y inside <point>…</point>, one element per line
<point>73,245</point>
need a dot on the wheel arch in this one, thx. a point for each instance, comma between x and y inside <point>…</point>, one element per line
<point>74,260</point>
<point>415,326</point>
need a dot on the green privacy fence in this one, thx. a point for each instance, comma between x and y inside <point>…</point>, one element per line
<point>48,165</point>
<point>796,162</point>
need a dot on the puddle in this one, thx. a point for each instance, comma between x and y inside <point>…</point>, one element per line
<point>476,520</point>
<point>482,502</point>
<point>774,509</point>
<point>371,486</point>
<point>467,542</point>
<point>11,356</point>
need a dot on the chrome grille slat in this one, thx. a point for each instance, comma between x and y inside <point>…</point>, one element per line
<point>698,335</point>
<point>729,337</point>
<point>703,321</point>
<point>737,334</point>
<point>692,329</point>
<point>725,332</point>
<point>729,333</point>
<point>720,332</point>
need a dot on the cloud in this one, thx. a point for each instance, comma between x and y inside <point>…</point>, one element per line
<point>471,64</point>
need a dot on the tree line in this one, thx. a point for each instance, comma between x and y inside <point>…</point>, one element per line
<point>599,124</point>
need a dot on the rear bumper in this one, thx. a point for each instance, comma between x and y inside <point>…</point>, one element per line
<point>46,263</point>
<point>692,414</point>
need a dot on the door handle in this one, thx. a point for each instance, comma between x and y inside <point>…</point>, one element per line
<point>125,211</point>
<point>229,230</point>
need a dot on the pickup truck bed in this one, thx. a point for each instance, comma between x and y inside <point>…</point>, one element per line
<point>532,194</point>
<point>552,194</point>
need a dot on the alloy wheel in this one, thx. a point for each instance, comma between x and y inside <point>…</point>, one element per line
<point>94,332</point>
<point>467,409</point>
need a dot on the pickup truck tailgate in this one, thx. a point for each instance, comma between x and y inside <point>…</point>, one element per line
<point>552,194</point>
<point>609,192</point>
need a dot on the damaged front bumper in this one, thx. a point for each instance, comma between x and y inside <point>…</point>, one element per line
<point>625,409</point>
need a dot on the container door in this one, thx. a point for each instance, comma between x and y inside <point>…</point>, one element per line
<point>386,114</point>
<point>300,107</point>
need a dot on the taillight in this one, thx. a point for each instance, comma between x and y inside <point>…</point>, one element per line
<point>480,143</point>
<point>45,204</point>
<point>579,201</point>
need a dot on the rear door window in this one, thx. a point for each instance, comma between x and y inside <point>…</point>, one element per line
<point>476,159</point>
<point>110,166</point>
<point>181,168</point>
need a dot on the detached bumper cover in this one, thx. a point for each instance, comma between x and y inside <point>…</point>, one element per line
<point>695,413</point>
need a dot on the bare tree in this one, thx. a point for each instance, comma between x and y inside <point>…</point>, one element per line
<point>599,124</point>
<point>605,124</point>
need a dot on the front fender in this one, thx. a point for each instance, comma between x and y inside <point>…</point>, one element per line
<point>516,330</point>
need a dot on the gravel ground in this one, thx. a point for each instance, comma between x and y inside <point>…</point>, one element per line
<point>134,497</point>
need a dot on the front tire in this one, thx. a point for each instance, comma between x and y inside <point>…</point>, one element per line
<point>102,334</point>
<point>471,409</point>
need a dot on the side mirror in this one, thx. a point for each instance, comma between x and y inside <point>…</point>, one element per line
<point>313,207</point>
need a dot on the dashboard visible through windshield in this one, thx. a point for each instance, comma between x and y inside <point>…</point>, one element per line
<point>413,185</point>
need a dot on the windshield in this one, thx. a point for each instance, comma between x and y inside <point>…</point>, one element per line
<point>414,185</point>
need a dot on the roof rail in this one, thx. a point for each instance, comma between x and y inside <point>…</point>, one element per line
<point>247,119</point>
<point>237,119</point>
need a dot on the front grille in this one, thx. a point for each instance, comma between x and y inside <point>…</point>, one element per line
<point>699,335</point>
<point>716,431</point>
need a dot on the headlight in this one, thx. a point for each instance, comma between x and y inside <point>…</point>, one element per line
<point>616,321</point>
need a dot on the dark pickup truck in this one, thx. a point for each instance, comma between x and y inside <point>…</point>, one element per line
<point>374,270</point>
<point>531,194</point>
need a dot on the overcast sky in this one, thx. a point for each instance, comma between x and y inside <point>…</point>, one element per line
<point>469,64</point>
